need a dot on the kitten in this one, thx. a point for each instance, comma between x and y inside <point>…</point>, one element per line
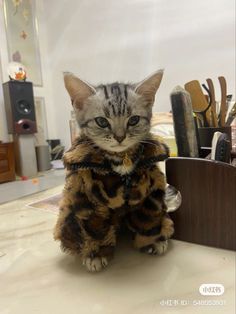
<point>112,172</point>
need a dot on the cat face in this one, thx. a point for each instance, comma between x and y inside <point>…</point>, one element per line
<point>114,116</point>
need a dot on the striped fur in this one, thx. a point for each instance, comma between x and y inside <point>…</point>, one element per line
<point>117,103</point>
<point>94,202</point>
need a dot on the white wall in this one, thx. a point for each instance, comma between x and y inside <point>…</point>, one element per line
<point>106,40</point>
<point>128,39</point>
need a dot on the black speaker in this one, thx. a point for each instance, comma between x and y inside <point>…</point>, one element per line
<point>19,105</point>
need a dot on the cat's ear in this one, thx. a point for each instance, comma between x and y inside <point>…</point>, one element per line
<point>148,87</point>
<point>78,89</point>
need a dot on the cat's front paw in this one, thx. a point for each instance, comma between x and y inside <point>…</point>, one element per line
<point>157,248</point>
<point>95,264</point>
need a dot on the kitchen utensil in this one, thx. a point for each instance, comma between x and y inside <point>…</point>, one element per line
<point>215,138</point>
<point>206,135</point>
<point>209,99</point>
<point>228,105</point>
<point>184,126</point>
<point>223,109</point>
<point>213,102</point>
<point>221,147</point>
<point>199,103</point>
<point>232,115</point>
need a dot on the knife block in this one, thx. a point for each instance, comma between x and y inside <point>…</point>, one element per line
<point>206,134</point>
<point>207,214</point>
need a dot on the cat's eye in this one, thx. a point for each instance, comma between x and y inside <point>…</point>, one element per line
<point>134,120</point>
<point>102,122</point>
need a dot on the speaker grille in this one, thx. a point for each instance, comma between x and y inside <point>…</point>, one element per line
<point>24,107</point>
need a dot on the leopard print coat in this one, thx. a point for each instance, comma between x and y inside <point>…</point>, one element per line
<point>102,190</point>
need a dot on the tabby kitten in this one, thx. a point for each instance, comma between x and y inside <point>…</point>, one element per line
<point>112,172</point>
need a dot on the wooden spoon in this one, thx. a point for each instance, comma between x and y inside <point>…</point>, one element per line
<point>199,102</point>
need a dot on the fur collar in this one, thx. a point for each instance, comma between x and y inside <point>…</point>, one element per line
<point>87,156</point>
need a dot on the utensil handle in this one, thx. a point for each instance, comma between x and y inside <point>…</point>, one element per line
<point>223,87</point>
<point>232,115</point>
<point>213,102</point>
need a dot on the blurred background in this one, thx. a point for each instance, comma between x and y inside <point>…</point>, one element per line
<point>103,41</point>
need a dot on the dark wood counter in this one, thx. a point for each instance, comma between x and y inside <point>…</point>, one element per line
<point>208,212</point>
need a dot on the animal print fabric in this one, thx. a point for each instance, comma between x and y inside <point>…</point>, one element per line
<point>97,199</point>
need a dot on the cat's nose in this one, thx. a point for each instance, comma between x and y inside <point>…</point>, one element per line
<point>119,138</point>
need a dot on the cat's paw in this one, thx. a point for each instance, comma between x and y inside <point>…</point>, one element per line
<point>95,264</point>
<point>161,247</point>
<point>157,248</point>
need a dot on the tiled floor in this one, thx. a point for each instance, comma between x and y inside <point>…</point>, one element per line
<point>17,189</point>
<point>36,277</point>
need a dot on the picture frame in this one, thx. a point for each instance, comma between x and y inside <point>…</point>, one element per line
<point>22,37</point>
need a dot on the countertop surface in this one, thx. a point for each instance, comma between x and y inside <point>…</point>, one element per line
<point>36,277</point>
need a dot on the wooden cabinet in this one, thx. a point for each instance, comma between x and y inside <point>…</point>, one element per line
<point>7,162</point>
